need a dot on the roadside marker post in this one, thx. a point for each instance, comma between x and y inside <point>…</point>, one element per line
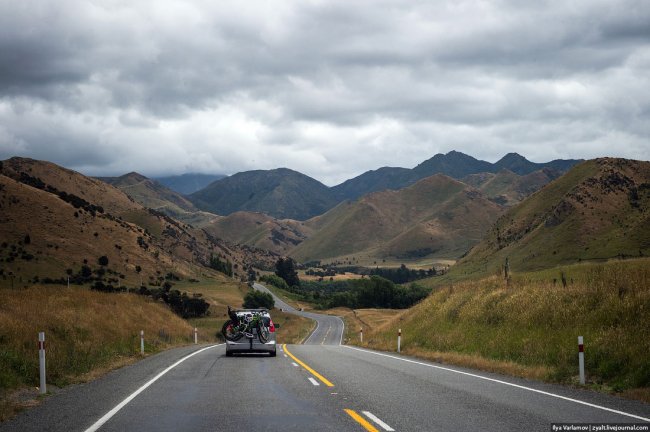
<point>581,359</point>
<point>399,340</point>
<point>196,336</point>
<point>361,334</point>
<point>142,342</point>
<point>41,361</point>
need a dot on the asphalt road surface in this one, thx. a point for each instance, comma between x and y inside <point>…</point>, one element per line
<point>329,329</point>
<point>315,387</point>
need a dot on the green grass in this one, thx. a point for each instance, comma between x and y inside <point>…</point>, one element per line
<point>533,324</point>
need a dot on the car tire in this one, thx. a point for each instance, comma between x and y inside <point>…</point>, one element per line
<point>273,353</point>
<point>228,353</point>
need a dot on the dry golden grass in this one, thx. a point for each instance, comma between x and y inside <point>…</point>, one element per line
<point>337,277</point>
<point>530,327</point>
<point>87,333</point>
<point>293,329</point>
<point>642,394</point>
<point>480,363</point>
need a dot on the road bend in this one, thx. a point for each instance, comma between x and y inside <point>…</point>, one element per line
<point>318,386</point>
<point>329,329</point>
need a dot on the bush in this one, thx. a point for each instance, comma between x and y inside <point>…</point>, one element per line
<point>258,299</point>
<point>275,280</point>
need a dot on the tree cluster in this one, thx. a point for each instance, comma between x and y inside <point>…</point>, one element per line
<point>373,292</point>
<point>402,274</point>
<point>224,266</point>
<point>286,269</point>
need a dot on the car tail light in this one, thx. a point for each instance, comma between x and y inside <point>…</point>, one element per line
<point>272,327</point>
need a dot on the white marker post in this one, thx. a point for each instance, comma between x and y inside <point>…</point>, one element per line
<point>581,359</point>
<point>142,342</point>
<point>196,336</point>
<point>361,334</point>
<point>399,340</point>
<point>41,360</point>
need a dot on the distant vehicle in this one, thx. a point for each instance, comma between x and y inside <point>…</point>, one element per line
<point>250,342</point>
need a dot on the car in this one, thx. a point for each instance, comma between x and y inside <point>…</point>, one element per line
<point>252,344</point>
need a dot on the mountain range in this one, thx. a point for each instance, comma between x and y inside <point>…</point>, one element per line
<point>274,210</point>
<point>453,164</point>
<point>599,209</point>
<point>283,193</point>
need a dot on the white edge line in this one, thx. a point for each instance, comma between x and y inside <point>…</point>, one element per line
<point>313,381</point>
<point>342,331</point>
<point>315,330</point>
<point>295,364</point>
<point>99,423</point>
<point>505,383</point>
<point>378,421</point>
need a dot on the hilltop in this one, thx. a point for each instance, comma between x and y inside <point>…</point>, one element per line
<point>281,193</point>
<point>600,209</point>
<point>437,216</point>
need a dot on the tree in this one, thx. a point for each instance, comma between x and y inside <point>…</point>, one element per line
<point>103,260</point>
<point>258,299</point>
<point>286,269</point>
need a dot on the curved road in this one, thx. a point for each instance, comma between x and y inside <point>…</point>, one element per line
<point>329,329</point>
<point>320,386</point>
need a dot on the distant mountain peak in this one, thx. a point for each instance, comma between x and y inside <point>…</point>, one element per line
<point>134,176</point>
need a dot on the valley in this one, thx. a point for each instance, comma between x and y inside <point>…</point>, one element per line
<point>498,258</point>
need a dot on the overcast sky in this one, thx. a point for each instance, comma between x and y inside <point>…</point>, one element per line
<point>331,89</point>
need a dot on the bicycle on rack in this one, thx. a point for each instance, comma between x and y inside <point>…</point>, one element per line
<point>243,323</point>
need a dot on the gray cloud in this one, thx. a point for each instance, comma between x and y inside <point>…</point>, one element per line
<point>328,88</point>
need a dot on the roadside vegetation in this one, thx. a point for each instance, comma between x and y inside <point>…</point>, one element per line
<point>80,344</point>
<point>528,326</point>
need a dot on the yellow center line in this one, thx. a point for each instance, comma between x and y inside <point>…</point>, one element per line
<point>313,372</point>
<point>361,420</point>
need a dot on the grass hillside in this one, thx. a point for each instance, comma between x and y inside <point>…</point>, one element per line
<point>260,230</point>
<point>281,193</point>
<point>55,219</point>
<point>530,326</point>
<point>151,194</point>
<point>600,209</point>
<point>72,335</point>
<point>508,188</point>
<point>437,216</point>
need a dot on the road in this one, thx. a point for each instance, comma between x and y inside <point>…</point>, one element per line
<point>329,329</point>
<point>316,387</point>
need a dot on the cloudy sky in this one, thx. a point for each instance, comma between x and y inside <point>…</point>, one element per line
<point>328,88</point>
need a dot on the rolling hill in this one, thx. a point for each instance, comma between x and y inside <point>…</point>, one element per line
<point>437,216</point>
<point>281,193</point>
<point>54,219</point>
<point>280,236</point>
<point>508,188</point>
<point>154,195</point>
<point>600,209</point>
